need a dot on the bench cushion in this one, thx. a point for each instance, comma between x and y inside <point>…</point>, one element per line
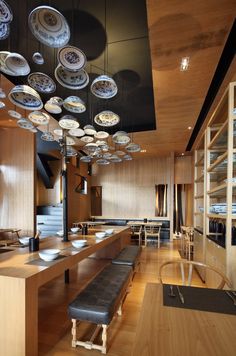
<point>98,302</point>
<point>128,256</point>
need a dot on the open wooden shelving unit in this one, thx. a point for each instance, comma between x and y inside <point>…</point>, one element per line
<point>215,160</point>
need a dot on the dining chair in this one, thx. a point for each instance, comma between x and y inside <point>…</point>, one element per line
<point>152,231</point>
<point>136,230</point>
<point>187,266</point>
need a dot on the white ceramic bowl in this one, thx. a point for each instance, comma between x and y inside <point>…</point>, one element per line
<point>60,233</point>
<point>79,243</point>
<point>100,235</point>
<point>109,231</point>
<point>74,229</point>
<point>49,255</point>
<point>24,240</point>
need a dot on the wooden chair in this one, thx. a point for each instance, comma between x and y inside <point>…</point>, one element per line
<point>154,232</point>
<point>187,281</point>
<point>136,230</point>
<point>188,241</point>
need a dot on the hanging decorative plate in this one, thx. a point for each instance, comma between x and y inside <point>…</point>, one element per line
<point>52,108</point>
<point>39,117</point>
<point>4,31</point>
<point>38,58</point>
<point>76,132</point>
<point>85,159</point>
<point>17,64</point>
<point>49,26</point>
<point>68,122</point>
<point>119,153</point>
<point>101,143</point>
<point>5,12</point>
<point>121,138</point>
<point>104,87</point>
<point>127,158</point>
<point>14,114</point>
<point>133,147</point>
<point>71,152</point>
<point>25,97</point>
<point>2,94</point>
<point>25,124</point>
<point>71,58</point>
<point>107,155</point>
<point>72,80</point>
<point>107,118</point>
<point>2,104</point>
<point>91,147</point>
<point>87,139</point>
<point>74,104</point>
<point>89,130</point>
<point>115,159</point>
<point>96,154</point>
<point>47,136</point>
<point>102,162</point>
<point>41,82</point>
<point>101,135</point>
<point>3,67</point>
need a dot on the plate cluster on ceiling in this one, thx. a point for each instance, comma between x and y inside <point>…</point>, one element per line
<point>51,28</point>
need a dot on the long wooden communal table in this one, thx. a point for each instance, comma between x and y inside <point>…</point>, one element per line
<point>19,284</point>
<point>173,331</point>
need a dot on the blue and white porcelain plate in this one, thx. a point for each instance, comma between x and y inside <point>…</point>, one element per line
<point>41,82</point>
<point>74,104</point>
<point>39,118</point>
<point>3,67</point>
<point>25,98</point>
<point>49,26</point>
<point>71,80</point>
<point>5,12</point>
<point>104,87</point>
<point>71,58</point>
<point>4,31</point>
<point>107,118</point>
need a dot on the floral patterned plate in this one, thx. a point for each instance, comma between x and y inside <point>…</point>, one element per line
<point>41,82</point>
<point>71,58</point>
<point>72,80</point>
<point>25,98</point>
<point>4,31</point>
<point>104,87</point>
<point>5,12</point>
<point>107,118</point>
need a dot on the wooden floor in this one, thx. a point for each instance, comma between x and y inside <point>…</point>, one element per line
<point>54,324</point>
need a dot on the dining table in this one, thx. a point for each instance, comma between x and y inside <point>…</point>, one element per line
<point>22,273</point>
<point>204,325</point>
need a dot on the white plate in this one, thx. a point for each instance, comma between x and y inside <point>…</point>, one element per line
<point>68,122</point>
<point>24,98</point>
<point>17,64</point>
<point>107,118</point>
<point>115,159</point>
<point>101,135</point>
<point>25,124</point>
<point>72,80</point>
<point>71,58</point>
<point>91,147</point>
<point>39,117</point>
<point>52,108</point>
<point>102,162</point>
<point>38,58</point>
<point>85,159</point>
<point>104,87</point>
<point>121,139</point>
<point>14,114</point>
<point>4,31</point>
<point>3,67</point>
<point>89,130</point>
<point>5,12</point>
<point>74,104</point>
<point>76,132</point>
<point>127,158</point>
<point>41,82</point>
<point>87,139</point>
<point>49,26</point>
<point>133,147</point>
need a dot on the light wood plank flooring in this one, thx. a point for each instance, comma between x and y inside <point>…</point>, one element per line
<point>54,324</point>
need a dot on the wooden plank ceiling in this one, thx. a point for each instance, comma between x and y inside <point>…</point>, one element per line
<point>177,28</point>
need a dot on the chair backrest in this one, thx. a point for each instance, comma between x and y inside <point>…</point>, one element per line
<point>136,229</point>
<point>188,265</point>
<point>152,229</point>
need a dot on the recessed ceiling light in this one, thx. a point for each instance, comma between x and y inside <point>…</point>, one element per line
<point>143,151</point>
<point>182,154</point>
<point>184,63</point>
<point>190,128</point>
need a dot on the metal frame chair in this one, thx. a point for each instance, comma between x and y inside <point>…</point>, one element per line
<point>224,280</point>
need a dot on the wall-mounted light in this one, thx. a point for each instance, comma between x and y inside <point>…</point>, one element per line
<point>143,151</point>
<point>190,128</point>
<point>184,63</point>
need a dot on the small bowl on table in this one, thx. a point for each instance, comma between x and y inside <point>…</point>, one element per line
<point>79,243</point>
<point>74,230</point>
<point>49,254</point>
<point>24,240</point>
<point>100,235</point>
<point>60,233</point>
<point>109,231</point>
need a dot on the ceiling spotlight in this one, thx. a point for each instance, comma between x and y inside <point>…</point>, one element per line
<point>143,151</point>
<point>190,128</point>
<point>182,154</point>
<point>184,63</point>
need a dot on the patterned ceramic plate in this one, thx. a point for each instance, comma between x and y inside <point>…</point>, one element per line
<point>127,158</point>
<point>87,139</point>
<point>85,159</point>
<point>3,67</point>
<point>121,138</point>
<point>39,117</point>
<point>5,12</point>
<point>41,82</point>
<point>89,130</point>
<point>16,63</point>
<point>115,159</point>
<point>71,58</point>
<point>52,108</point>
<point>104,87</point>
<point>4,31</point>
<point>25,124</point>
<point>14,114</point>
<point>49,26</point>
<point>76,132</point>
<point>47,136</point>
<point>74,104</point>
<point>38,58</point>
<point>133,147</point>
<point>107,118</point>
<point>119,153</point>
<point>24,98</point>
<point>91,147</point>
<point>102,162</point>
<point>68,122</point>
<point>101,135</point>
<point>72,80</point>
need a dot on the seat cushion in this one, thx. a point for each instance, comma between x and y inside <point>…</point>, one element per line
<point>128,256</point>
<point>98,302</point>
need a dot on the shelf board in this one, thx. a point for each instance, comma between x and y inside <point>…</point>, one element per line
<point>198,213</point>
<point>217,189</point>
<point>199,196</point>
<point>200,162</point>
<point>216,216</point>
<point>199,179</point>
<point>217,162</point>
<point>218,134</point>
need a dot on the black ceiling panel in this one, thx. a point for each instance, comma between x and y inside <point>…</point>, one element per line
<point>93,23</point>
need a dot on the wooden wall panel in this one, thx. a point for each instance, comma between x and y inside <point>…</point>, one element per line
<point>17,179</point>
<point>78,204</point>
<point>183,170</point>
<point>50,196</point>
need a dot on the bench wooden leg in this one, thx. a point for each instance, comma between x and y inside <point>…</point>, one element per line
<point>73,332</point>
<point>104,338</point>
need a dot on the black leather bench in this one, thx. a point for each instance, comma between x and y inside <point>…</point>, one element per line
<point>99,301</point>
<point>129,256</point>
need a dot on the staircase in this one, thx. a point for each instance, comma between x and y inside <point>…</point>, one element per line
<point>49,219</point>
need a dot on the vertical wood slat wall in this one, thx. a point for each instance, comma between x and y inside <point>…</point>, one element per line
<point>17,179</point>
